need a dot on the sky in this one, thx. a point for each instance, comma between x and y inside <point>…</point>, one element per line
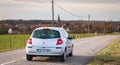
<point>41,9</point>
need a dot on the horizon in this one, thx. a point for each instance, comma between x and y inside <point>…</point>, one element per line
<point>61,20</point>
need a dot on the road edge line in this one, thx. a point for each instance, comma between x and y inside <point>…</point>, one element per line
<point>8,62</point>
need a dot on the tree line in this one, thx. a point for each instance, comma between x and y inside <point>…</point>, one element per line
<point>74,26</point>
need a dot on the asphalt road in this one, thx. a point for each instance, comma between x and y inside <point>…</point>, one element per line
<point>84,50</point>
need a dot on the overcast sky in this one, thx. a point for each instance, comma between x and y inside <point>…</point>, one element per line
<point>41,9</point>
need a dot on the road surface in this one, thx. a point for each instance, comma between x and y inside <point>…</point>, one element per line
<point>84,50</point>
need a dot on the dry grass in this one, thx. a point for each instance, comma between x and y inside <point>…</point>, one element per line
<point>109,56</point>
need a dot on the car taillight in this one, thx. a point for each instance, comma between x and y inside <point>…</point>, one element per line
<point>30,41</point>
<point>46,29</point>
<point>59,42</point>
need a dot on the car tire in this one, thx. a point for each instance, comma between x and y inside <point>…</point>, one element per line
<point>64,57</point>
<point>71,54</point>
<point>29,57</point>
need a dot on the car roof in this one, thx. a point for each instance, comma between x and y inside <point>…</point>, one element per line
<point>53,28</point>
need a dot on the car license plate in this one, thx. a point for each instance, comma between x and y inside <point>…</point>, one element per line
<point>43,50</point>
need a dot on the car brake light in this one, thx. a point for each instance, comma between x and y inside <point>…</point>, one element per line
<point>59,41</point>
<point>30,40</point>
<point>46,29</point>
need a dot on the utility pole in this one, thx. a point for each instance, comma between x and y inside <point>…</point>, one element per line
<point>89,25</point>
<point>52,13</point>
<point>104,27</point>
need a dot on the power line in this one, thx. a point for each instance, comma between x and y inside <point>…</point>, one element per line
<point>68,11</point>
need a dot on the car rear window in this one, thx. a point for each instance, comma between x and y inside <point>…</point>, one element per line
<point>46,34</point>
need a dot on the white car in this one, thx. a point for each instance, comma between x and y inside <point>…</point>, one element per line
<point>49,41</point>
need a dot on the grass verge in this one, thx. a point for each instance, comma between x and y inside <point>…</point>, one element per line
<point>108,56</point>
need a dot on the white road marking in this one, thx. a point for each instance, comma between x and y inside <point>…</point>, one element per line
<point>8,62</point>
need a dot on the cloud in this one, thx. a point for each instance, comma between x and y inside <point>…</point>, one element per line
<point>41,9</point>
<point>90,1</point>
<point>73,1</point>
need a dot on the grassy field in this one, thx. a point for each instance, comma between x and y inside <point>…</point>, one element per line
<point>12,42</point>
<point>109,56</point>
<point>85,35</point>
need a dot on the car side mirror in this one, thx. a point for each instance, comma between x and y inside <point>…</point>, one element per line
<point>71,38</point>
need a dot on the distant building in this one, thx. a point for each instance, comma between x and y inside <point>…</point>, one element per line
<point>10,31</point>
<point>13,31</point>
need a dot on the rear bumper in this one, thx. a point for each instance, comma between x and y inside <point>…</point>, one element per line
<point>48,55</point>
<point>53,51</point>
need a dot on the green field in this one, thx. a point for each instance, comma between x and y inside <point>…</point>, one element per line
<point>109,56</point>
<point>12,42</point>
<point>84,35</point>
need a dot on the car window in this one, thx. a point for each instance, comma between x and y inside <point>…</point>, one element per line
<point>46,34</point>
<point>64,34</point>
